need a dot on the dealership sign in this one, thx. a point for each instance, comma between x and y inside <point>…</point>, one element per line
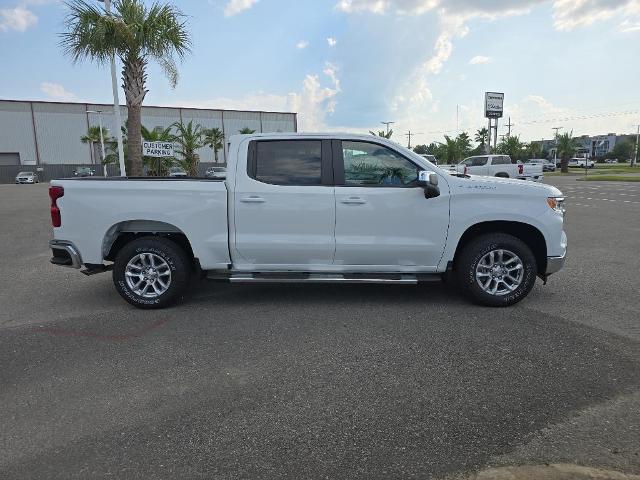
<point>157,149</point>
<point>493,104</point>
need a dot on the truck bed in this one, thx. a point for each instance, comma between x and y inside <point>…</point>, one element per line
<point>94,210</point>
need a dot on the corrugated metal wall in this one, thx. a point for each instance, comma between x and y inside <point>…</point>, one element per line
<point>49,132</point>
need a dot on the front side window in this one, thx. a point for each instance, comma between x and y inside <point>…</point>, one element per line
<point>289,162</point>
<point>370,164</point>
<point>475,161</point>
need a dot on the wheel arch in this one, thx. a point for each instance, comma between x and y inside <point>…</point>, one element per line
<point>121,233</point>
<point>529,234</point>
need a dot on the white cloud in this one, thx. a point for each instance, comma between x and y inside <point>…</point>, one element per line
<point>57,92</point>
<point>18,18</point>
<point>313,102</point>
<point>628,26</point>
<point>570,14</point>
<point>332,41</point>
<point>236,6</point>
<point>480,60</point>
<point>302,44</point>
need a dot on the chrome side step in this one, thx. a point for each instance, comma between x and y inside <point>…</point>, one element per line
<point>293,277</point>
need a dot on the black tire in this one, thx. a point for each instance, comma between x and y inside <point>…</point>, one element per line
<point>502,175</point>
<point>176,260</point>
<point>472,254</point>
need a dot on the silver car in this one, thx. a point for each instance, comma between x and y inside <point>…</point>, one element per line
<point>216,172</point>
<point>27,177</point>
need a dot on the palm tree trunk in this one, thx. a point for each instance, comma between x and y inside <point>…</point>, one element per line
<point>133,82</point>
<point>215,155</point>
<point>564,164</point>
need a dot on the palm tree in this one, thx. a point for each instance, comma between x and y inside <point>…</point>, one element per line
<point>451,149</point>
<point>135,34</point>
<point>512,146</point>
<point>464,144</point>
<point>482,137</point>
<point>158,166</point>
<point>566,146</point>
<point>93,138</point>
<point>381,133</point>
<point>189,139</point>
<point>246,131</point>
<point>214,138</point>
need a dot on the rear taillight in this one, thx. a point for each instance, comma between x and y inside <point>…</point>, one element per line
<point>55,193</point>
<point>520,169</point>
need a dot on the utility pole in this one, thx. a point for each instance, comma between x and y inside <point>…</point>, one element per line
<point>410,134</point>
<point>635,154</point>
<point>509,125</point>
<point>387,124</point>
<point>555,150</point>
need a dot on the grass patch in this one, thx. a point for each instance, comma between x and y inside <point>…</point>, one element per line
<point>610,178</point>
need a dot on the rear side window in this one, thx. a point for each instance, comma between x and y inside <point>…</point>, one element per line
<point>475,161</point>
<point>288,162</point>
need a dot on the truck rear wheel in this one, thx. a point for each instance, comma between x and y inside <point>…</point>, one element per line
<point>151,272</point>
<point>496,270</point>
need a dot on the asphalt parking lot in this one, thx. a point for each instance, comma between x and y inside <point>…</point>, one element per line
<point>320,381</point>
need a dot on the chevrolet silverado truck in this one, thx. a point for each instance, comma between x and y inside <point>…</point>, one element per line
<point>500,166</point>
<point>311,208</point>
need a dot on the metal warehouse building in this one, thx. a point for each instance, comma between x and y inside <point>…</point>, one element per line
<point>48,133</point>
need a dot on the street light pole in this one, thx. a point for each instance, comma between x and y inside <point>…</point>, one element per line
<point>635,155</point>
<point>116,103</point>
<point>387,124</point>
<point>555,150</point>
<point>104,165</point>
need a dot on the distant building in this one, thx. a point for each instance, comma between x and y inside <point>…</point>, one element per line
<point>39,133</point>
<point>590,146</point>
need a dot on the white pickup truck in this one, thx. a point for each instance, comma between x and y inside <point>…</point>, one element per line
<point>500,166</point>
<point>311,208</point>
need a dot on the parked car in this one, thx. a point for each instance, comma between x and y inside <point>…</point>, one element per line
<point>27,177</point>
<point>547,165</point>
<point>582,163</point>
<point>84,172</point>
<point>611,160</point>
<point>216,172</point>
<point>177,172</point>
<point>500,166</point>
<point>293,210</point>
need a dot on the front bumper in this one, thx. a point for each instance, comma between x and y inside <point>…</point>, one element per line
<point>65,254</point>
<point>555,264</point>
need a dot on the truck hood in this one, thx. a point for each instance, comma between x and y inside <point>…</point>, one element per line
<point>505,185</point>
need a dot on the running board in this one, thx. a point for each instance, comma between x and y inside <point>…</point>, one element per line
<point>292,277</point>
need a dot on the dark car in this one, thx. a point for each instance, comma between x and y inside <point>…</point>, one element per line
<point>84,172</point>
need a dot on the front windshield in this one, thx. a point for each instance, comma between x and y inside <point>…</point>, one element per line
<point>25,173</point>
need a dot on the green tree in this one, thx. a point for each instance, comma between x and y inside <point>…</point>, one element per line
<point>214,138</point>
<point>623,150</point>
<point>535,149</point>
<point>420,149</point>
<point>158,166</point>
<point>566,145</point>
<point>513,147</point>
<point>135,34</point>
<point>464,144</point>
<point>482,137</point>
<point>93,139</point>
<point>381,133</point>
<point>189,138</point>
<point>451,151</point>
<point>247,131</point>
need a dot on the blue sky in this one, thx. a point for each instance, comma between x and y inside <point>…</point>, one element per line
<point>349,64</point>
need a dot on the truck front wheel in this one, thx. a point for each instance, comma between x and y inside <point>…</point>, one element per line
<point>496,270</point>
<point>151,272</point>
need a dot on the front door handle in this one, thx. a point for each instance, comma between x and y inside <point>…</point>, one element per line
<point>252,199</point>
<point>353,201</point>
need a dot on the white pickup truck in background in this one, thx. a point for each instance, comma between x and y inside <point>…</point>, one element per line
<point>311,208</point>
<point>500,166</point>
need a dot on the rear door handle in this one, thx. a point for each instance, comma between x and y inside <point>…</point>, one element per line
<point>353,201</point>
<point>252,199</point>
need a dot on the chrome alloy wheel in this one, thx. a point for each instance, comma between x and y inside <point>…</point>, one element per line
<point>148,275</point>
<point>499,272</point>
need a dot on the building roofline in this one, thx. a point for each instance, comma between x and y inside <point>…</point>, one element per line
<point>146,106</point>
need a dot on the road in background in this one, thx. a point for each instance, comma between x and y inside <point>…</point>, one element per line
<point>314,381</point>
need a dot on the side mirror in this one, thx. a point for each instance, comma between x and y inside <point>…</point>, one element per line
<point>429,180</point>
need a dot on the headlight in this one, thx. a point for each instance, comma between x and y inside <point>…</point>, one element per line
<point>556,203</point>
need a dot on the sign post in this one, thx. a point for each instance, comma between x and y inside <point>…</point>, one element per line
<point>493,109</point>
<point>157,149</point>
